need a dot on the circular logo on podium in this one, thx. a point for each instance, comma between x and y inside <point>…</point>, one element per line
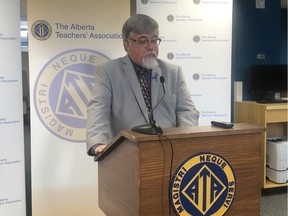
<point>203,184</point>
<point>62,91</point>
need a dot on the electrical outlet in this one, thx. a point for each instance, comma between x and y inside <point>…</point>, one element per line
<point>260,4</point>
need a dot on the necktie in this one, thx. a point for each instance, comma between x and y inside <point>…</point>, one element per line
<point>144,88</point>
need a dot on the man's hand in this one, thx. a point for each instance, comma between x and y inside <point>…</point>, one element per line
<point>99,149</point>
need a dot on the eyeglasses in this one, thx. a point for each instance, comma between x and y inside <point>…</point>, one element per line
<point>144,42</point>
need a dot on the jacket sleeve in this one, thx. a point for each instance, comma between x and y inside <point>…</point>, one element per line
<point>98,110</point>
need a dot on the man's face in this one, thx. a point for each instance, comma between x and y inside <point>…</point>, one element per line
<point>142,49</point>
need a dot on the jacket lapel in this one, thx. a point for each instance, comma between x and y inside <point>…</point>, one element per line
<point>155,85</point>
<point>133,81</point>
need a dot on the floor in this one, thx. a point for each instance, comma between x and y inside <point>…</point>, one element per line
<point>273,202</point>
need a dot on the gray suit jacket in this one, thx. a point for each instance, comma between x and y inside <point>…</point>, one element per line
<point>117,103</point>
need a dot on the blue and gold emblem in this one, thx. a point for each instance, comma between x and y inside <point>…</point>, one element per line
<point>62,91</point>
<point>41,30</point>
<point>204,184</point>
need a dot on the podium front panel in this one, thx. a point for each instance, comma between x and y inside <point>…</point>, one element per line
<point>134,178</point>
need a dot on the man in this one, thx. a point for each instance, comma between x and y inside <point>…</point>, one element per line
<point>117,102</point>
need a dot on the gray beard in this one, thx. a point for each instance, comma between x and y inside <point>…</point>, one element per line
<point>149,62</point>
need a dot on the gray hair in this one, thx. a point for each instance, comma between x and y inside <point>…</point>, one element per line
<point>139,24</point>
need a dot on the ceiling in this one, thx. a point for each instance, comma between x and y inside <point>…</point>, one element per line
<point>23,5</point>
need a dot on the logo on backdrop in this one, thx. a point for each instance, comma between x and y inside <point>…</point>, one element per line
<point>41,30</point>
<point>203,184</point>
<point>62,90</point>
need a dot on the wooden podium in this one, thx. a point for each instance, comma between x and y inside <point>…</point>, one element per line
<point>135,170</point>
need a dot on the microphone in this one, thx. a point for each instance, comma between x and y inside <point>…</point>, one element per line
<point>150,114</point>
<point>152,128</point>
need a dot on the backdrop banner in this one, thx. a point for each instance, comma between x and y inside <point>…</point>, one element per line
<point>12,164</point>
<point>197,35</point>
<point>67,39</point>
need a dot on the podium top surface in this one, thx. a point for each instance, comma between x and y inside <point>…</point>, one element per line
<point>191,132</point>
<point>181,133</point>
